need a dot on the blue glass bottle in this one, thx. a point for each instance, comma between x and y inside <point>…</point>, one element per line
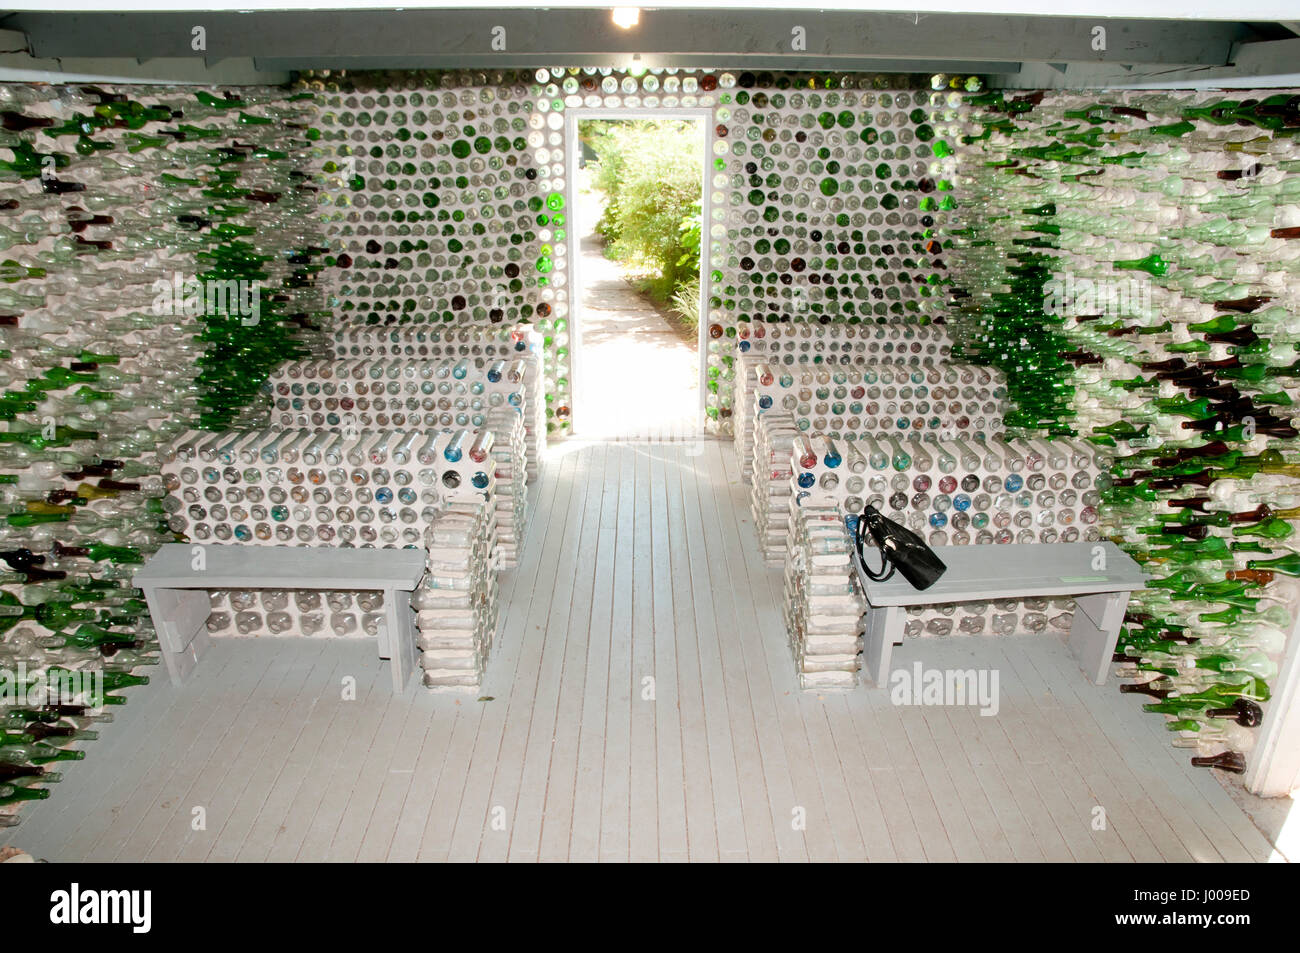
<point>454,449</point>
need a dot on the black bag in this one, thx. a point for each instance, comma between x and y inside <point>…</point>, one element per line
<point>900,549</point>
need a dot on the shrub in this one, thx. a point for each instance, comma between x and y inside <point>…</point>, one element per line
<point>650,174</point>
<point>686,302</point>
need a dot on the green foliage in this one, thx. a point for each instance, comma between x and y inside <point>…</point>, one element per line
<point>649,172</point>
<point>691,228</point>
<point>686,302</point>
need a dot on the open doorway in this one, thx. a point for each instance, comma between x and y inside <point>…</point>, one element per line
<point>636,253</point>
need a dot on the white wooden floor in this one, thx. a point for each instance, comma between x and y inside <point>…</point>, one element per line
<point>639,565</point>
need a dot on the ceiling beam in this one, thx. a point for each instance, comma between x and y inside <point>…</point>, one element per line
<point>730,62</point>
<point>768,39</point>
<point>1272,63</point>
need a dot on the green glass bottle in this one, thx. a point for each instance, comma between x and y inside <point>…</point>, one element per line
<point>1272,528</point>
<point>1288,565</point>
<point>1152,264</point>
<point>9,794</point>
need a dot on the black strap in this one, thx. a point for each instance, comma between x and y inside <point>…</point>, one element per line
<point>881,575</point>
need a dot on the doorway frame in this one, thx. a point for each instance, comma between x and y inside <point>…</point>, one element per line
<point>573,241</point>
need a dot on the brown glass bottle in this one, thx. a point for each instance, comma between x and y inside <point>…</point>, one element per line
<point>1243,305</point>
<point>1232,761</point>
<point>1261,576</point>
<point>1243,711</point>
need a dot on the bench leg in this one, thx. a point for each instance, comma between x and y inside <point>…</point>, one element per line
<point>884,627</point>
<point>400,625</point>
<point>385,631</point>
<point>181,664</point>
<point>179,617</point>
<point>1095,630</point>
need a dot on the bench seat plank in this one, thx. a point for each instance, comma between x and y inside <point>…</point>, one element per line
<point>171,577</point>
<point>291,567</point>
<point>1013,571</point>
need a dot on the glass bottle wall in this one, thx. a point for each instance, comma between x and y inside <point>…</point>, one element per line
<point>160,253</point>
<point>1129,260</point>
<point>448,197</point>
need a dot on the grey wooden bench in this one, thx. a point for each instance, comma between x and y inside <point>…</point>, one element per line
<point>1013,571</point>
<point>176,579</point>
